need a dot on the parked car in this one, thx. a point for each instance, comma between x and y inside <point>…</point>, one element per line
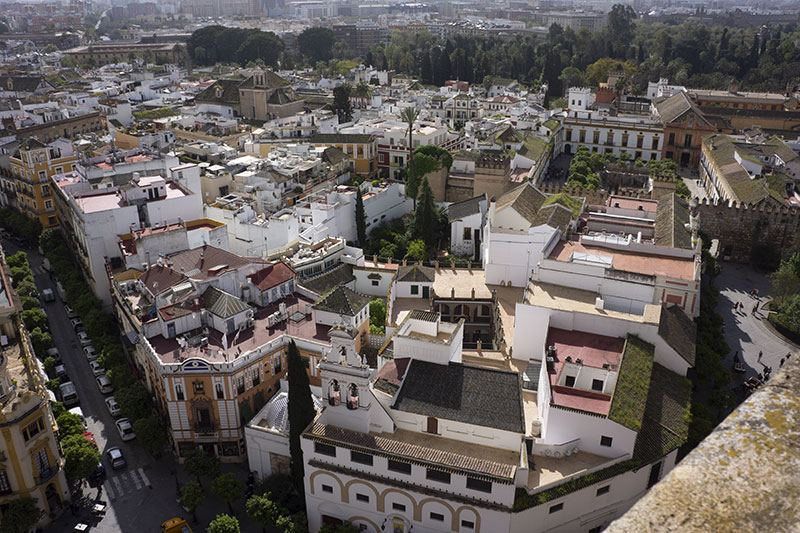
<point>61,372</point>
<point>88,435</point>
<point>89,352</point>
<point>98,475</point>
<point>97,368</point>
<point>113,406</point>
<point>116,458</point>
<point>53,352</point>
<point>70,313</point>
<point>48,295</point>
<point>83,337</point>
<point>104,384</point>
<point>77,324</point>
<point>125,429</point>
<point>68,394</point>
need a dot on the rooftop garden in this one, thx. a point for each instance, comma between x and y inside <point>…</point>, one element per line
<point>573,204</point>
<point>633,383</point>
<point>153,114</point>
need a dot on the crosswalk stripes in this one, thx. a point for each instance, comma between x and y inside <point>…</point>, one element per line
<point>109,490</point>
<point>121,484</point>
<point>144,478</point>
<point>136,480</point>
<point>118,485</point>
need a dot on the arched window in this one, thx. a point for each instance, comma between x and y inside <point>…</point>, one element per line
<point>352,400</point>
<point>334,396</point>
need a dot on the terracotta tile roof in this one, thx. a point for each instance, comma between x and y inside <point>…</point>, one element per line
<point>679,331</point>
<point>525,200</point>
<point>416,273</point>
<point>386,445</point>
<point>340,275</point>
<point>665,425</point>
<point>674,107</point>
<point>157,279</point>
<point>672,215</point>
<point>342,301</point>
<point>473,395</point>
<point>208,261</point>
<point>272,275</point>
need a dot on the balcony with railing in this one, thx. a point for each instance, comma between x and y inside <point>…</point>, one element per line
<point>205,428</point>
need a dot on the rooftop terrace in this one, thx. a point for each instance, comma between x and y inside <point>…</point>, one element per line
<point>297,325</point>
<point>637,262</point>
<point>595,351</point>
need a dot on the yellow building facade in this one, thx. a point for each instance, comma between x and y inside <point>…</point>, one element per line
<point>32,166</point>
<point>31,465</point>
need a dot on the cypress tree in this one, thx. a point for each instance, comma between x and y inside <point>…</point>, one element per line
<point>425,215</point>
<point>301,410</point>
<point>361,219</point>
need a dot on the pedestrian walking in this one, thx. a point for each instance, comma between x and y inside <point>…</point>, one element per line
<point>788,356</point>
<point>760,354</point>
<point>782,361</point>
<point>755,309</point>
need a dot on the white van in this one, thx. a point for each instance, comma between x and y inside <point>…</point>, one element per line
<point>69,395</point>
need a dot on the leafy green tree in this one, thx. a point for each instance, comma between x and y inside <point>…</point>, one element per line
<point>20,516</point>
<point>361,219</point>
<point>69,424</point>
<point>192,497</point>
<point>620,29</point>
<point>151,433</point>
<point>228,488</point>
<point>571,77</point>
<point>49,366</point>
<point>224,523</point>
<point>377,316</point>
<point>301,410</point>
<point>261,509</point>
<point>134,401</point>
<point>198,463</point>
<point>261,46</point>
<point>316,44</point>
<point>81,457</point>
<point>341,103</point>
<point>34,318</point>
<point>786,279</point>
<point>417,251</point>
<point>120,376</point>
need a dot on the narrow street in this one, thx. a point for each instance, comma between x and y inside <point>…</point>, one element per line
<point>145,483</point>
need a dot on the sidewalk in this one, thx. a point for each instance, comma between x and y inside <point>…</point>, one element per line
<point>744,332</point>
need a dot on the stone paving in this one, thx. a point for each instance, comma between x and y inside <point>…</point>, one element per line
<point>745,332</point>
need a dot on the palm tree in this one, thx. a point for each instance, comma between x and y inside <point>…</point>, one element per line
<point>410,115</point>
<point>363,91</point>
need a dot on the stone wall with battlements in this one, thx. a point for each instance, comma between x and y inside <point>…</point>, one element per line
<point>739,228</point>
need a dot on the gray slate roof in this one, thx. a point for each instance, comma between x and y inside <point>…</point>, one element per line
<point>679,331</point>
<point>465,208</point>
<point>473,395</point>
<point>342,301</point>
<point>222,304</point>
